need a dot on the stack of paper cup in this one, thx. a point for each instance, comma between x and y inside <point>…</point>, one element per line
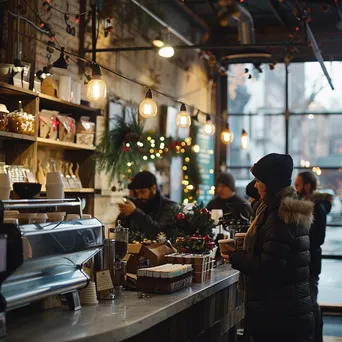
<point>54,185</point>
<point>5,186</point>
<point>216,214</point>
<point>88,295</point>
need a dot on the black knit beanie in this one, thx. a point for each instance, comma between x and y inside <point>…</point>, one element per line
<point>226,179</point>
<point>142,180</point>
<point>275,170</point>
<point>251,191</point>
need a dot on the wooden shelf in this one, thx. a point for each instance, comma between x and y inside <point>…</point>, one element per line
<point>77,191</point>
<point>54,103</point>
<point>9,135</point>
<point>64,145</point>
<point>10,90</point>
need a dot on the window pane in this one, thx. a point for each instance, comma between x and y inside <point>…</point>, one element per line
<point>263,93</point>
<point>316,140</point>
<point>309,90</point>
<point>266,134</point>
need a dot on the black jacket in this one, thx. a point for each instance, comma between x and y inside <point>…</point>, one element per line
<point>236,205</point>
<point>278,292</point>
<point>322,207</point>
<point>158,219</point>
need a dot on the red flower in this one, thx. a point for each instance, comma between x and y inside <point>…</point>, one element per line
<point>204,211</point>
<point>180,217</point>
<point>207,238</point>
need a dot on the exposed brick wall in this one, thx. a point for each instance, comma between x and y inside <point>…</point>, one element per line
<point>184,77</point>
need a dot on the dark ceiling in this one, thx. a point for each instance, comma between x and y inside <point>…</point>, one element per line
<point>275,21</point>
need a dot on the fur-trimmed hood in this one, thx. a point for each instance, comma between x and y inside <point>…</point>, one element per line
<point>294,210</point>
<point>317,196</point>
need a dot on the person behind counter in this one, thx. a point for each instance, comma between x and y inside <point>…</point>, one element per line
<point>227,200</point>
<point>149,211</point>
<point>275,258</point>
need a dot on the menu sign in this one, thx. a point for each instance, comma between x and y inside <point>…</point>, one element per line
<point>205,160</point>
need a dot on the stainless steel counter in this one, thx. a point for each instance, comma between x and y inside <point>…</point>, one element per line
<point>114,321</point>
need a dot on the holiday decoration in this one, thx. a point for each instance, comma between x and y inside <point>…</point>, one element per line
<point>193,221</point>
<point>194,244</point>
<point>126,149</point>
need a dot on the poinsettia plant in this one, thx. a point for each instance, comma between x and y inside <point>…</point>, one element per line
<point>194,244</point>
<point>192,220</point>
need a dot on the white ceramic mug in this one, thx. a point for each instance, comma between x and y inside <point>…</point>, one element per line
<point>54,178</point>
<point>55,191</point>
<point>5,181</point>
<point>5,193</point>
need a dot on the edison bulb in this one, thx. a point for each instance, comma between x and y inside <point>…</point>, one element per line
<point>209,128</point>
<point>183,119</point>
<point>158,42</point>
<point>227,136</point>
<point>97,89</point>
<point>166,51</point>
<point>244,139</point>
<point>148,108</point>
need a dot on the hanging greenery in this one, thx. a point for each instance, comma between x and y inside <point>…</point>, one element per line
<point>126,149</point>
<point>118,153</point>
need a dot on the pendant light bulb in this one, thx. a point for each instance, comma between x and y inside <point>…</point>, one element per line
<point>227,136</point>
<point>166,51</point>
<point>158,42</point>
<point>183,119</point>
<point>244,139</point>
<point>96,89</point>
<point>148,107</point>
<point>208,127</point>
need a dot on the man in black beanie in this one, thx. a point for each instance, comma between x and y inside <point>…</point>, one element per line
<point>227,200</point>
<point>149,212</point>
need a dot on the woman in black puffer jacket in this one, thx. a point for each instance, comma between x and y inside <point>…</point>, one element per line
<point>275,258</point>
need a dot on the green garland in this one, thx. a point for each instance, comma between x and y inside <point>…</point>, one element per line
<point>126,149</point>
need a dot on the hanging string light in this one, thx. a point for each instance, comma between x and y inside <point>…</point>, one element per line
<point>244,139</point>
<point>183,119</point>
<point>97,89</point>
<point>208,127</point>
<point>148,107</point>
<point>227,135</point>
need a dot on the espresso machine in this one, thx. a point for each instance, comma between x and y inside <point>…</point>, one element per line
<point>46,259</point>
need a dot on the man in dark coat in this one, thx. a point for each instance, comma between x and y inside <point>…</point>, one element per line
<point>149,212</point>
<point>275,258</point>
<point>306,184</point>
<point>227,200</point>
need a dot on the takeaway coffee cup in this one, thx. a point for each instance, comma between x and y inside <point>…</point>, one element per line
<point>239,239</point>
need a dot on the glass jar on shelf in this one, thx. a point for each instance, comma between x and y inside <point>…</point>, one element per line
<point>17,173</point>
<point>3,117</point>
<point>21,122</point>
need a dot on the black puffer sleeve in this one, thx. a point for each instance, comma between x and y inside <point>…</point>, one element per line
<point>275,252</point>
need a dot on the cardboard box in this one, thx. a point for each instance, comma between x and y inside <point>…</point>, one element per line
<point>140,256</point>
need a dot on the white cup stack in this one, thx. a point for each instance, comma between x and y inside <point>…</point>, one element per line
<point>88,294</point>
<point>54,185</point>
<point>5,186</point>
<point>216,214</point>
